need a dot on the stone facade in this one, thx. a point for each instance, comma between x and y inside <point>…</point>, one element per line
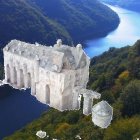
<point>57,76</point>
<point>52,73</point>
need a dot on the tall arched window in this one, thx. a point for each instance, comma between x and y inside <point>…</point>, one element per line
<point>47,94</point>
<point>21,78</point>
<point>15,76</point>
<point>8,73</point>
<point>29,79</point>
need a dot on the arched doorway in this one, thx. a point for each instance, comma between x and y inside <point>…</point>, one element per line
<point>8,73</point>
<point>15,76</point>
<point>29,80</point>
<point>21,78</point>
<point>47,94</point>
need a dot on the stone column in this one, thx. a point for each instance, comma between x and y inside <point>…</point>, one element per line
<point>25,77</point>
<point>19,79</point>
<point>26,80</point>
<point>7,73</point>
<point>47,94</point>
<point>87,106</point>
<point>36,69</point>
<point>35,76</point>
<point>12,78</point>
<point>33,84</point>
<point>76,100</point>
<point>89,95</point>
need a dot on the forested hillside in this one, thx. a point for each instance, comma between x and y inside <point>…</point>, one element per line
<point>129,4</point>
<point>44,21</point>
<point>21,21</point>
<point>83,19</point>
<point>116,75</point>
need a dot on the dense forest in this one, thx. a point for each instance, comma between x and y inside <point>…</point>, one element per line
<point>44,21</point>
<point>116,75</point>
<point>129,4</point>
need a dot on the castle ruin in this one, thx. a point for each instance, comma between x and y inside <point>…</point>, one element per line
<point>57,75</point>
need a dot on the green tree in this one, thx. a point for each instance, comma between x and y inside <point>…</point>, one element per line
<point>61,128</point>
<point>108,95</point>
<point>124,129</point>
<point>123,78</point>
<point>131,98</point>
<point>117,110</point>
<point>134,67</point>
<point>137,47</point>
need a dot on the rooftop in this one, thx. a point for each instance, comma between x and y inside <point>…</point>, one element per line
<point>103,109</point>
<point>49,57</point>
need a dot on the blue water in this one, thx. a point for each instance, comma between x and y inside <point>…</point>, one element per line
<point>126,34</point>
<point>17,108</point>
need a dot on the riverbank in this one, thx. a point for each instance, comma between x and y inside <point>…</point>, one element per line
<point>127,33</point>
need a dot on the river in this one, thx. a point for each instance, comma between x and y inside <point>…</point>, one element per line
<point>127,33</point>
<point>18,108</point>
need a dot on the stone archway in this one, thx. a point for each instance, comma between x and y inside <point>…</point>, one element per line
<point>8,73</point>
<point>21,78</point>
<point>15,76</point>
<point>29,79</point>
<point>47,94</point>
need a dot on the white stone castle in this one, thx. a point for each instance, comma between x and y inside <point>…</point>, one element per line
<point>57,75</point>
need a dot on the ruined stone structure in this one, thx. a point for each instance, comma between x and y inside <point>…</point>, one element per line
<point>102,114</point>
<point>53,73</point>
<point>57,75</point>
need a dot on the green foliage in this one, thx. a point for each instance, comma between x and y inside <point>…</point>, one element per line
<point>123,78</point>
<point>115,68</point>
<point>131,98</point>
<point>73,117</point>
<point>124,129</point>
<point>134,67</point>
<point>62,128</point>
<point>56,125</point>
<point>117,110</point>
<point>107,95</point>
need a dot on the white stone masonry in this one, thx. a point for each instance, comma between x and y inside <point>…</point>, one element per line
<point>52,73</point>
<point>57,76</point>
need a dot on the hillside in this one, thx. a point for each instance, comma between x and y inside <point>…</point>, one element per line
<point>96,18</point>
<point>116,75</point>
<point>46,20</point>
<point>21,21</point>
<point>129,4</point>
